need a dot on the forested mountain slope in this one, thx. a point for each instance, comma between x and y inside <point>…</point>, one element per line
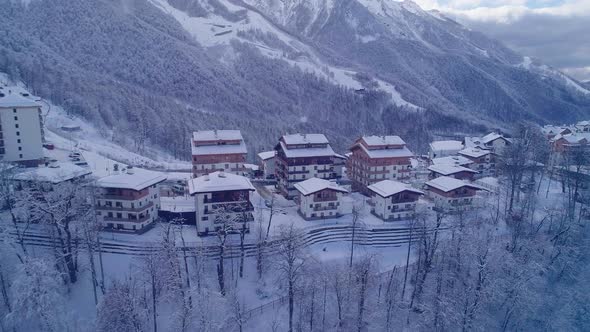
<point>158,69</point>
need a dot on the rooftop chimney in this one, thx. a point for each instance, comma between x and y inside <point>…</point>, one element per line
<point>130,170</point>
<point>221,174</point>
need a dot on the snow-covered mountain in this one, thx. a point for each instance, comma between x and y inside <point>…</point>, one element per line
<point>161,68</point>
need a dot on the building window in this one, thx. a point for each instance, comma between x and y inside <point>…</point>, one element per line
<point>16,125</point>
<point>14,110</point>
<point>205,218</point>
<point>18,140</point>
<point>20,148</point>
<point>20,155</point>
<point>18,133</point>
<point>15,118</point>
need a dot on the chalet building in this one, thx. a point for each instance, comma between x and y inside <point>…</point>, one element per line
<point>483,161</point>
<point>570,142</point>
<point>377,158</point>
<point>301,157</point>
<point>439,149</point>
<point>222,200</point>
<point>319,199</point>
<point>393,200</point>
<point>550,131</point>
<point>266,162</point>
<point>21,130</point>
<point>218,150</point>
<point>128,201</point>
<point>451,194</point>
<point>454,171</point>
<point>583,126</point>
<point>492,141</point>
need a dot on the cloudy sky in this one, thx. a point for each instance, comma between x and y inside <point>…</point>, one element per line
<point>555,31</point>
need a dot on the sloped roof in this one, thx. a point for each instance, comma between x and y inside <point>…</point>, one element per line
<point>214,135</point>
<point>308,152</point>
<point>475,152</point>
<point>452,160</point>
<point>265,155</point>
<point>16,100</point>
<point>305,139</point>
<point>446,184</point>
<point>139,179</point>
<point>314,185</point>
<point>383,140</point>
<point>446,145</point>
<point>449,169</point>
<point>219,181</point>
<point>56,173</point>
<point>205,150</point>
<point>387,153</point>
<point>388,188</point>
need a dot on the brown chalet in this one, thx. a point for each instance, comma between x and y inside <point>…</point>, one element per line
<point>218,150</point>
<point>301,157</point>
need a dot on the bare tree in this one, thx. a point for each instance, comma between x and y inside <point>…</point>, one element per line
<point>290,261</point>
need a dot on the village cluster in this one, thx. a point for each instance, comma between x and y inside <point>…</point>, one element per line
<point>301,167</point>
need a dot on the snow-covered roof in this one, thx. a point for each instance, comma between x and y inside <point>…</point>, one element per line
<point>135,179</point>
<point>449,169</point>
<point>583,123</point>
<point>215,135</point>
<point>265,155</point>
<point>314,185</point>
<point>446,184</point>
<point>471,142</point>
<point>446,145</point>
<point>491,137</point>
<point>305,139</point>
<point>205,150</point>
<point>388,153</point>
<point>388,188</point>
<point>219,181</point>
<point>573,137</point>
<point>451,160</point>
<point>383,140</point>
<point>488,180</point>
<point>475,152</point>
<point>56,173</point>
<point>11,100</point>
<point>252,167</point>
<point>324,151</point>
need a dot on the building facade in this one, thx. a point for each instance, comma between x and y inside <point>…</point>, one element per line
<point>218,150</point>
<point>320,199</point>
<point>266,161</point>
<point>483,161</point>
<point>393,200</point>
<point>301,157</point>
<point>128,201</point>
<point>451,194</point>
<point>21,135</point>
<point>222,202</point>
<point>455,171</point>
<point>377,158</point>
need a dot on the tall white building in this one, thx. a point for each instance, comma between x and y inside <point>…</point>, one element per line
<point>21,138</point>
<point>218,150</point>
<point>221,199</point>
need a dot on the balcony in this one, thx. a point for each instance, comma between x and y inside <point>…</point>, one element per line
<point>124,209</point>
<point>138,220</point>
<point>325,208</point>
<point>122,197</point>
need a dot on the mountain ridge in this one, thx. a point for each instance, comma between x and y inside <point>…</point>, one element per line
<point>164,68</point>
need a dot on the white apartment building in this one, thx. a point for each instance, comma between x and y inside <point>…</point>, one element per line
<point>439,149</point>
<point>129,200</point>
<point>452,194</point>
<point>319,198</point>
<point>221,198</point>
<point>393,200</point>
<point>21,138</point>
<point>266,162</point>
